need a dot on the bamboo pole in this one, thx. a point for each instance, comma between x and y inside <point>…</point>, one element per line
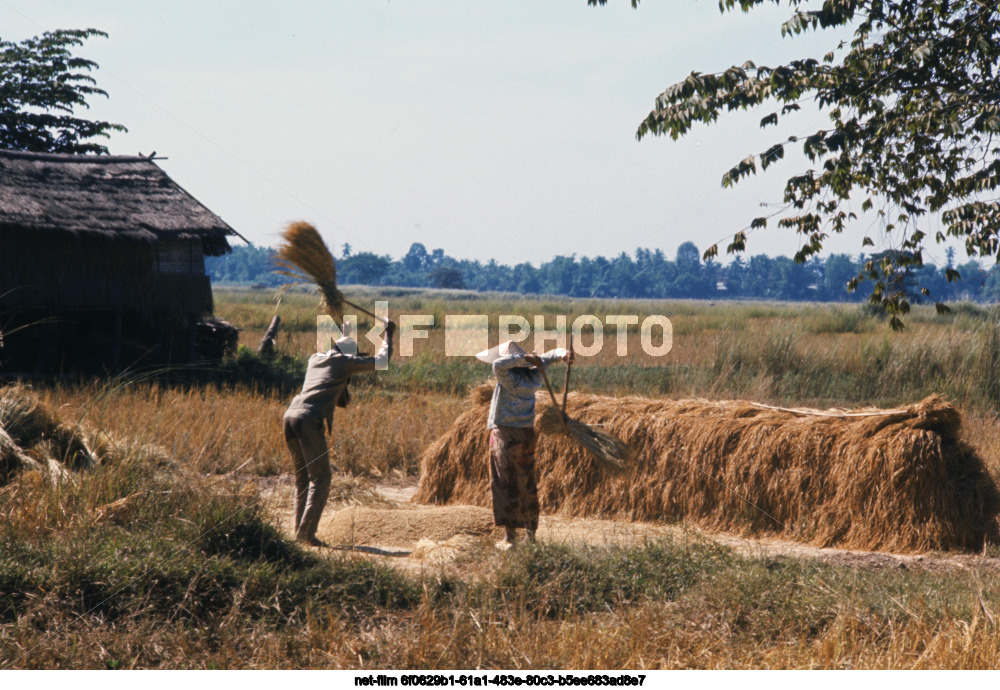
<point>366,312</point>
<point>562,417</point>
<point>569,366</point>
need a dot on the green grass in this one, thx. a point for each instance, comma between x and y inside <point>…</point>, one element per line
<point>554,580</point>
<point>206,563</point>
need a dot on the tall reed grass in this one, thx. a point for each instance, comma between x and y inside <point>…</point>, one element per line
<point>822,354</point>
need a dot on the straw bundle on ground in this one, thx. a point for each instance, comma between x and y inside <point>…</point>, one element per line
<point>13,459</point>
<point>897,480</point>
<point>32,437</point>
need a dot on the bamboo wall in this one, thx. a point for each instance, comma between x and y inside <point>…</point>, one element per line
<point>97,304</point>
<point>61,272</point>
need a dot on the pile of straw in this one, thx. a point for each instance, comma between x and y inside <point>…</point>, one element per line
<point>403,527</point>
<point>33,437</point>
<point>883,480</point>
<point>13,459</point>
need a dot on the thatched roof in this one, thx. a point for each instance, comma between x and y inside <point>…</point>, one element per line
<point>117,197</point>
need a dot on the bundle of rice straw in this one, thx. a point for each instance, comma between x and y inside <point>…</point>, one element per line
<point>882,480</point>
<point>33,437</point>
<point>611,453</point>
<point>13,459</point>
<point>607,450</point>
<point>303,255</point>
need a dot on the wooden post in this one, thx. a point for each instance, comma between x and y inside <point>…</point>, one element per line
<point>267,342</point>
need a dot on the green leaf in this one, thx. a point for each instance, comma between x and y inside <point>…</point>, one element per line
<point>738,244</point>
<point>42,87</point>
<point>773,154</point>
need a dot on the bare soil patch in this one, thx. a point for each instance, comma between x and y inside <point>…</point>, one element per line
<point>430,536</point>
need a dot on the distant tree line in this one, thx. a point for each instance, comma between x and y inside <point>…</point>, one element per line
<point>646,274</point>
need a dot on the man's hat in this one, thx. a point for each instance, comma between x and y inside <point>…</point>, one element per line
<point>501,350</point>
<point>347,345</point>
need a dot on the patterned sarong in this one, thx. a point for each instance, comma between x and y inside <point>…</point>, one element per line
<point>512,477</point>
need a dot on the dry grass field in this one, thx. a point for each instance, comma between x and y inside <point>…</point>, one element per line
<point>167,553</point>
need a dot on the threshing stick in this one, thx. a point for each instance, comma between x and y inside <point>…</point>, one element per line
<point>365,311</point>
<point>552,395</point>
<point>569,364</point>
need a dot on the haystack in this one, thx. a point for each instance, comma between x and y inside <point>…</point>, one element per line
<point>897,480</point>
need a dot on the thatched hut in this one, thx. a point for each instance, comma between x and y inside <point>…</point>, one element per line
<point>102,264</point>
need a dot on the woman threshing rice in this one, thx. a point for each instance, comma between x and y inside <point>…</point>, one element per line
<point>325,388</point>
<point>511,424</point>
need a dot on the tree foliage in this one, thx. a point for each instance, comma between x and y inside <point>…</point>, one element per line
<point>648,274</point>
<point>42,86</point>
<point>913,100</point>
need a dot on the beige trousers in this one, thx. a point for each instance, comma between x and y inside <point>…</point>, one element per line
<point>311,460</point>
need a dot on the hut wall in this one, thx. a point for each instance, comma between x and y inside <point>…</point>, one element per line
<point>180,256</point>
<point>60,272</point>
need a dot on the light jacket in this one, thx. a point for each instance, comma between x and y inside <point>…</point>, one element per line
<point>327,376</point>
<point>513,401</point>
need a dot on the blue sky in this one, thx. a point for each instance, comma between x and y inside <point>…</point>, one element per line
<point>492,129</point>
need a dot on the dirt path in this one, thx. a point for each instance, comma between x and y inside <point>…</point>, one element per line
<point>382,522</point>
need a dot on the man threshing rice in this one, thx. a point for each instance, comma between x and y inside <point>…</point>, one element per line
<point>511,424</point>
<point>327,377</point>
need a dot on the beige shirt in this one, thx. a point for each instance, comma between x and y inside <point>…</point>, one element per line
<point>327,375</point>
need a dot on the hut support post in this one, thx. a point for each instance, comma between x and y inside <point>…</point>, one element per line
<point>267,342</point>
